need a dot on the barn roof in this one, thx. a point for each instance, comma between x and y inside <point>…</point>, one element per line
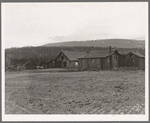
<point>99,53</point>
<point>138,54</point>
<point>74,55</point>
<point>126,52</point>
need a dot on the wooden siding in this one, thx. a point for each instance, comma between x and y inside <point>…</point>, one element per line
<point>72,64</point>
<point>83,63</point>
<point>106,63</point>
<point>121,61</point>
<point>142,63</point>
<point>98,63</point>
<point>134,61</point>
<point>90,64</point>
<point>113,61</point>
<point>68,64</point>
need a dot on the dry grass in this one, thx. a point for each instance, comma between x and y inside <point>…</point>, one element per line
<point>89,92</point>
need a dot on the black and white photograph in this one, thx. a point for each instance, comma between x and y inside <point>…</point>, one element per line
<point>75,61</point>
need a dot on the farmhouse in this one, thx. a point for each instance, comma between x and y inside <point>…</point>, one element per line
<point>66,59</point>
<point>29,65</point>
<point>101,60</point>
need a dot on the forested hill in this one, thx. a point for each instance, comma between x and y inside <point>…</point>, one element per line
<point>42,55</point>
<point>121,43</point>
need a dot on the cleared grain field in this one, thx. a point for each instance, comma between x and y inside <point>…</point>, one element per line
<point>87,92</point>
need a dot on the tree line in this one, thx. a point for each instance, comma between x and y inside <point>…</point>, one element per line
<point>42,55</point>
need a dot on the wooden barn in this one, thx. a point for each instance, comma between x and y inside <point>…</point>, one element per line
<point>66,59</point>
<point>29,65</point>
<point>112,59</point>
<point>101,60</point>
<point>135,59</point>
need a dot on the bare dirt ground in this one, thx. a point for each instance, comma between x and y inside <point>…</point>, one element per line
<point>88,92</point>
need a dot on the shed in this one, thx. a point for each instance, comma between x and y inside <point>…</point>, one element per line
<point>29,65</point>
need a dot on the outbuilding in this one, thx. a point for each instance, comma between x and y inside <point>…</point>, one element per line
<point>29,65</point>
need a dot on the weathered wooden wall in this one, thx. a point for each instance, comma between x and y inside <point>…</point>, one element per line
<point>106,63</point>
<point>94,64</point>
<point>141,63</point>
<point>121,61</point>
<point>68,64</point>
<point>132,60</point>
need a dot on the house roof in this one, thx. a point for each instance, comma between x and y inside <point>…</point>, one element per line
<point>99,53</point>
<point>74,55</point>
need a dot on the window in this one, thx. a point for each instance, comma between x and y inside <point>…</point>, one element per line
<point>108,59</point>
<point>62,57</point>
<point>76,63</point>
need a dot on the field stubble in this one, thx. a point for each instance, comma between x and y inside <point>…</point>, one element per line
<point>102,92</point>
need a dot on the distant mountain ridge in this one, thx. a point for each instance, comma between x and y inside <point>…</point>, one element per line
<point>118,43</point>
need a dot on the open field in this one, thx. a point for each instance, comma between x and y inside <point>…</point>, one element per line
<point>86,92</point>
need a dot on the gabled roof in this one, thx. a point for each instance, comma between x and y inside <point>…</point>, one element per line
<point>99,53</point>
<point>74,55</point>
<point>138,54</point>
<point>28,62</point>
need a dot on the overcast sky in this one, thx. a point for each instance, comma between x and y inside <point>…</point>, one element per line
<point>34,24</point>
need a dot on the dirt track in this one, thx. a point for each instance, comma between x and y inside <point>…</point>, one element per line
<point>89,92</point>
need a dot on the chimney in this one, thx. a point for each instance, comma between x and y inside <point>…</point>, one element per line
<point>110,49</point>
